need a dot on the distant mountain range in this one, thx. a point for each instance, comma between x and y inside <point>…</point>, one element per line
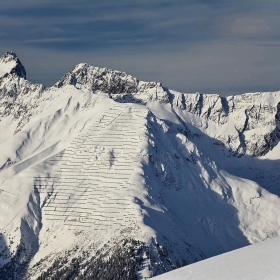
<point>103,176</point>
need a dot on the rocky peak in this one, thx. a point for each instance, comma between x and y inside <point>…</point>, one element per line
<point>102,79</point>
<point>18,97</point>
<point>118,85</point>
<point>10,64</point>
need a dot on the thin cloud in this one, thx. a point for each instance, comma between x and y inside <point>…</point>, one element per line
<point>208,46</point>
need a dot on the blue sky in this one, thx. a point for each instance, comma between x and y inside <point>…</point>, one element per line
<point>212,46</point>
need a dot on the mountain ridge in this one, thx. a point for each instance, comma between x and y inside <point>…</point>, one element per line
<point>99,181</point>
<point>122,87</point>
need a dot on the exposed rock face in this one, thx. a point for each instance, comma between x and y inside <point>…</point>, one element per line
<point>92,188</point>
<point>208,106</point>
<point>18,96</point>
<point>246,121</point>
<point>116,84</point>
<point>102,79</point>
<point>273,138</point>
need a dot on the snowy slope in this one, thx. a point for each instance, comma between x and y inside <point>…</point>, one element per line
<point>260,261</point>
<point>105,175</point>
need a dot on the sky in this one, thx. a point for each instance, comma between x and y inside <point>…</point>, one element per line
<point>209,46</point>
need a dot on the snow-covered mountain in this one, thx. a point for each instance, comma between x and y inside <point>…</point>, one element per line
<point>103,175</point>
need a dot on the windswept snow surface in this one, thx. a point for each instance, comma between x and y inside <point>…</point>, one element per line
<point>103,175</point>
<point>258,262</point>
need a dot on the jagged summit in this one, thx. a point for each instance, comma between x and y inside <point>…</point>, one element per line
<point>241,121</point>
<point>18,96</point>
<point>93,185</point>
<point>116,84</point>
<point>95,78</point>
<point>10,64</point>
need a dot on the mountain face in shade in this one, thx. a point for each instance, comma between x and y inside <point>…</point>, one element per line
<point>104,176</point>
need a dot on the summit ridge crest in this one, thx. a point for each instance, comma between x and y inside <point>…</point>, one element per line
<point>10,64</point>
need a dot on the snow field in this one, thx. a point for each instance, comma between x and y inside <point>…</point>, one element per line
<point>259,261</point>
<point>94,190</point>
